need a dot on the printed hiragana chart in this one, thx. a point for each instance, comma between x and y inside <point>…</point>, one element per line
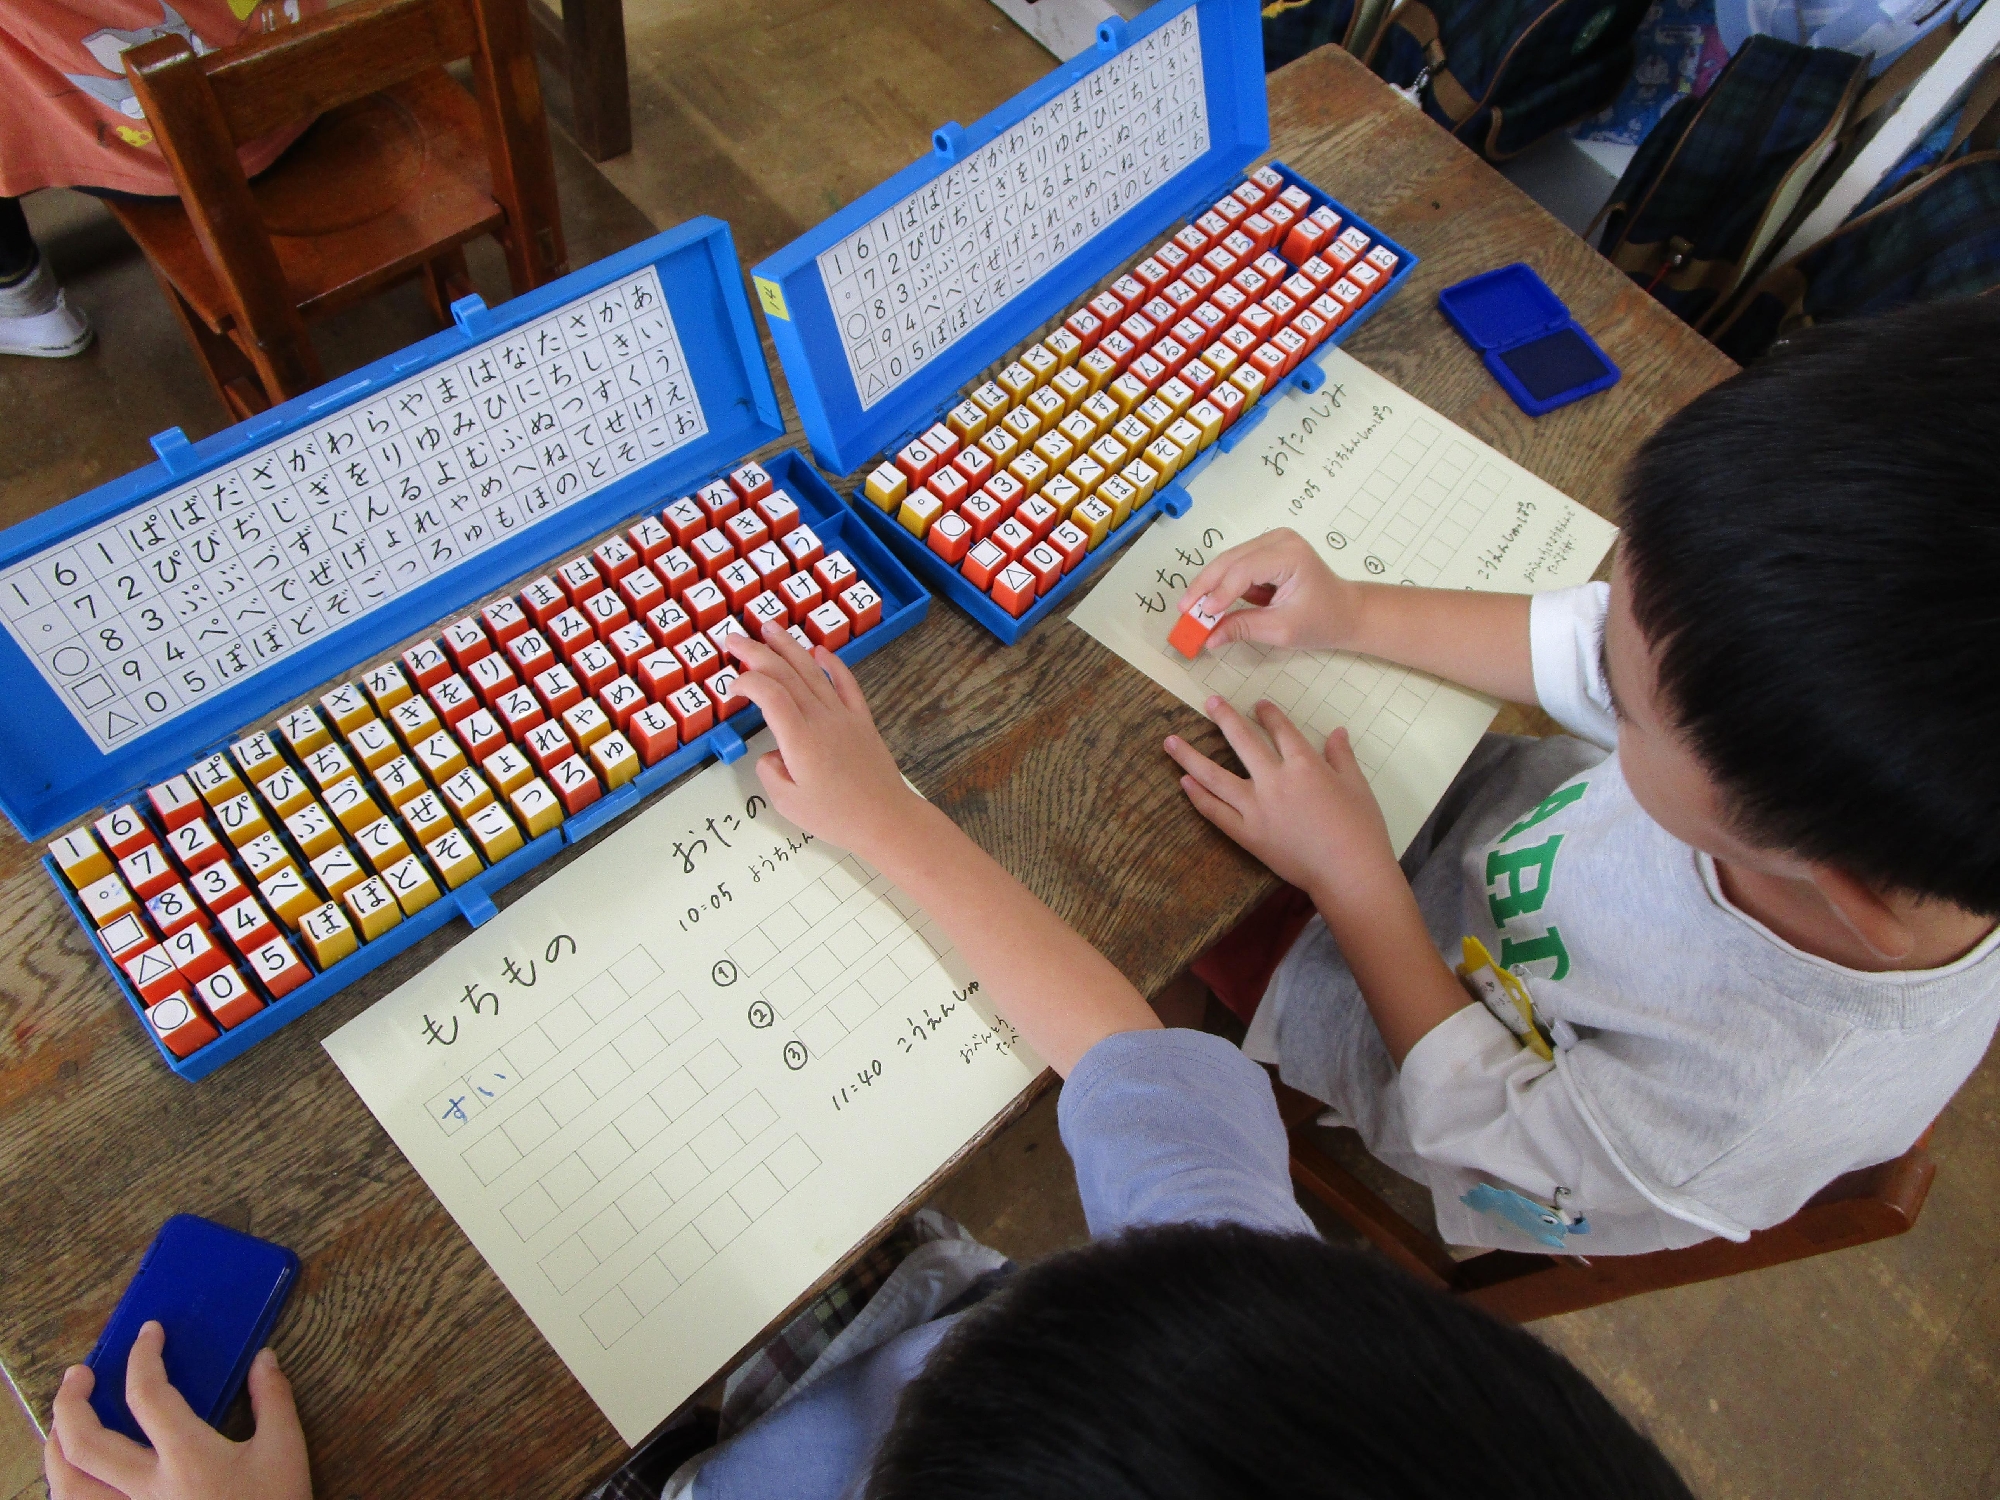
<point>667,1089</point>
<point>1385,489</point>
<point>147,615</point>
<point>921,275</point>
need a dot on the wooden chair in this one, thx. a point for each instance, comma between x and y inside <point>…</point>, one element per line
<point>1872,1204</point>
<point>400,170</point>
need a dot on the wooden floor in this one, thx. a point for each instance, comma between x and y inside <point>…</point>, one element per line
<point>1874,1373</point>
<point>774,113</point>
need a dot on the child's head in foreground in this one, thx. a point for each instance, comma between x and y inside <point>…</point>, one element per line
<point>1220,1363</point>
<point>1804,637</point>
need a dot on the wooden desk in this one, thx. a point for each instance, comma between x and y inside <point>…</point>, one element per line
<point>417,1374</point>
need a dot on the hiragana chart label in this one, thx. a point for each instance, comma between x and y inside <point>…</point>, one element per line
<point>917,278</point>
<point>149,614</point>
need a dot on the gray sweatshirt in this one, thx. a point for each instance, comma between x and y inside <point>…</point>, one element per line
<point>1708,1077</point>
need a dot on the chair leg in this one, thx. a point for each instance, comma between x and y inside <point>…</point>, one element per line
<point>446,278</point>
<point>233,377</point>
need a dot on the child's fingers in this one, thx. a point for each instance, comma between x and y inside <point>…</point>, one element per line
<point>1268,626</point>
<point>775,774</point>
<point>1228,574</point>
<point>798,664</point>
<point>846,687</point>
<point>273,1405</point>
<point>1216,781</point>
<point>1213,808</point>
<point>1283,732</point>
<point>1340,752</point>
<point>89,1445</point>
<point>161,1411</point>
<point>66,1480</point>
<point>1239,580</point>
<point>1244,738</point>
<point>764,657</point>
<point>777,698</point>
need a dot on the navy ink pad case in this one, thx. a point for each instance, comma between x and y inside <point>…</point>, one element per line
<point>1531,344</point>
<point>217,1293</point>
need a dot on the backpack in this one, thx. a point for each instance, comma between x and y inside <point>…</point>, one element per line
<point>1930,231</point>
<point>1293,28</point>
<point>1713,184</point>
<point>1498,74</point>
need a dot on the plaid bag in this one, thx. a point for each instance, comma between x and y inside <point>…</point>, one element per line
<point>1935,233</point>
<point>1498,74</point>
<point>1293,28</point>
<point>1501,74</point>
<point>1719,177</point>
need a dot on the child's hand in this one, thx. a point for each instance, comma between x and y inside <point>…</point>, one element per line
<point>831,774</point>
<point>1310,816</point>
<point>1303,603</point>
<point>189,1460</point>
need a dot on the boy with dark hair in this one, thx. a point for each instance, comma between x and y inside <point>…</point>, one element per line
<point>1736,937</point>
<point>1196,1361</point>
<point>1207,1346</point>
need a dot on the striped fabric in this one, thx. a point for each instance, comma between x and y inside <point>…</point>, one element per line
<point>1938,237</point>
<point>1498,74</point>
<point>761,1380</point>
<point>1685,213</point>
<point>1501,74</point>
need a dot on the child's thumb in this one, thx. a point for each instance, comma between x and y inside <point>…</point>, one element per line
<point>1243,625</point>
<point>270,1391</point>
<point>1340,750</point>
<point>273,1405</point>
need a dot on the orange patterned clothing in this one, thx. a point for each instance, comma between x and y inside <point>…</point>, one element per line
<point>67,114</point>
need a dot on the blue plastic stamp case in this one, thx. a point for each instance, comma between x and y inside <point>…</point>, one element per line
<point>1082,252</point>
<point>53,773</point>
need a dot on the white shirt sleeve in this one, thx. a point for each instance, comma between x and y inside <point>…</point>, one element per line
<point>1566,648</point>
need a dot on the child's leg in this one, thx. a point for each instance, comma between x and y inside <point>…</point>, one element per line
<point>1237,969</point>
<point>17,247</point>
<point>36,318</point>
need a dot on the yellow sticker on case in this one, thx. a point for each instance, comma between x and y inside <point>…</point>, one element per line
<point>772,296</point>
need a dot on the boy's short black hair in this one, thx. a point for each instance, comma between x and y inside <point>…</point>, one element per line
<point>1813,548</point>
<point>1215,1362</point>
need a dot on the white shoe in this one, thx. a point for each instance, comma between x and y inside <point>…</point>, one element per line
<point>37,320</point>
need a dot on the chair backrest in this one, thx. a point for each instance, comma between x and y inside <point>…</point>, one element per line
<point>202,107</point>
<point>300,72</point>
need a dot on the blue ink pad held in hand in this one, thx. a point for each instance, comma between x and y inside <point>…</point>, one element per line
<point>217,1293</point>
<point>1531,344</point>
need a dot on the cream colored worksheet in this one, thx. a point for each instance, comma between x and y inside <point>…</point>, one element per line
<point>665,1091</point>
<point>1386,489</point>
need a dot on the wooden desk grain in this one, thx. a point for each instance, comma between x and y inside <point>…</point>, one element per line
<point>417,1373</point>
